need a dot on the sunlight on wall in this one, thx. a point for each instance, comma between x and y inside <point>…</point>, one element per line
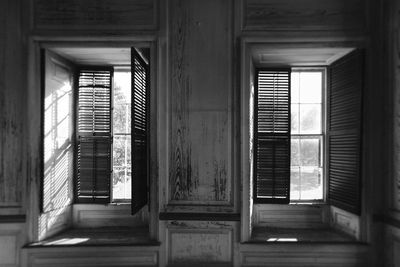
<point>58,157</point>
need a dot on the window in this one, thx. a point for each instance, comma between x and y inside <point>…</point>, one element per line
<point>289,127</point>
<point>105,147</point>
<point>122,160</point>
<point>307,128</point>
<point>111,133</point>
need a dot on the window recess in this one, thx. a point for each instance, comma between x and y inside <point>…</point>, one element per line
<point>279,130</point>
<point>111,135</point>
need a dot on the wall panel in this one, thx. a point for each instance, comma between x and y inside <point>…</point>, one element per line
<point>309,15</point>
<point>90,256</point>
<point>95,14</point>
<point>395,68</point>
<point>200,242</point>
<point>10,242</point>
<point>200,56</point>
<point>12,77</point>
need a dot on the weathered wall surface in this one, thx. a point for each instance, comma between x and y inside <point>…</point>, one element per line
<point>97,15</point>
<point>201,79</point>
<point>200,56</point>
<point>12,77</point>
<point>12,135</point>
<point>392,184</point>
<point>261,15</point>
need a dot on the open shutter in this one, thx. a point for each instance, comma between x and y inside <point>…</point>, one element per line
<point>94,136</point>
<point>272,136</point>
<point>140,133</point>
<point>344,135</point>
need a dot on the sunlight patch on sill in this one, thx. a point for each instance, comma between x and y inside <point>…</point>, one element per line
<point>282,239</point>
<point>67,241</point>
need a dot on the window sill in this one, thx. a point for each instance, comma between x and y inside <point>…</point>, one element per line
<point>296,235</point>
<point>103,236</point>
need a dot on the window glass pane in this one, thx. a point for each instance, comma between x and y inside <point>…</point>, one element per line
<point>310,87</point>
<point>121,115</point>
<point>118,183</point>
<point>309,152</point>
<point>122,135</point>
<point>121,150</point>
<point>295,152</point>
<point>306,121</point>
<point>295,183</point>
<point>122,87</point>
<point>121,183</point>
<point>294,120</point>
<point>310,118</point>
<point>294,87</point>
<point>311,183</point>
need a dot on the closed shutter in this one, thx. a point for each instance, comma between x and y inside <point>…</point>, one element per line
<point>94,136</point>
<point>344,135</point>
<point>272,136</point>
<point>140,133</point>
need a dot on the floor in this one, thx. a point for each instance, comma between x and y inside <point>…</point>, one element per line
<point>99,236</point>
<point>271,234</point>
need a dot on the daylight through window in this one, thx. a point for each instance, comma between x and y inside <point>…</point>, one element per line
<point>122,160</point>
<point>306,176</point>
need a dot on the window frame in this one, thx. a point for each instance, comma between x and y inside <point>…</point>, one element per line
<point>324,125</point>
<point>324,150</point>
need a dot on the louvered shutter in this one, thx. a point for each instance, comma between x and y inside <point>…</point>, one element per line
<point>94,135</point>
<point>140,115</point>
<point>344,135</point>
<point>272,136</point>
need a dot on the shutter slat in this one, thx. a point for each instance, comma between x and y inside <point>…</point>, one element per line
<point>94,136</point>
<point>345,115</point>
<point>272,137</point>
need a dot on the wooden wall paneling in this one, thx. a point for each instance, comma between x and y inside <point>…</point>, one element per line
<point>12,106</point>
<point>312,255</point>
<point>95,14</point>
<point>395,71</point>
<point>90,256</point>
<point>200,242</point>
<point>307,15</point>
<point>89,215</point>
<point>200,56</point>
<point>345,222</point>
<point>291,216</point>
<point>392,246</point>
<point>247,72</point>
<point>34,143</point>
<point>10,243</point>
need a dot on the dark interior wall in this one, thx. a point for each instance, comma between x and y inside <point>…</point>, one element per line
<point>12,107</point>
